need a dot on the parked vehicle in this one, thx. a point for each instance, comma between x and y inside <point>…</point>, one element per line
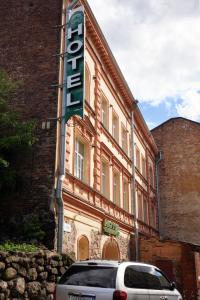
<point>112,280</point>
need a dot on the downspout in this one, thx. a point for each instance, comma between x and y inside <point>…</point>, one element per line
<point>135,208</point>
<point>61,175</point>
<point>158,160</point>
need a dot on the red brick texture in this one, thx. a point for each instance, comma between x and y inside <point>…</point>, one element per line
<point>179,179</point>
<point>176,259</point>
<point>27,45</point>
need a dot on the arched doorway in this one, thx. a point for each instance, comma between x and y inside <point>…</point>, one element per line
<point>83,248</point>
<point>111,250</point>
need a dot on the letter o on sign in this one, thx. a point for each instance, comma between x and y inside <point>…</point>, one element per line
<point>74,47</point>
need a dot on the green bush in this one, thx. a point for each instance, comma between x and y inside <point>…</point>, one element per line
<point>9,246</point>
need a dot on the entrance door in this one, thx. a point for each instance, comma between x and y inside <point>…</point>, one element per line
<point>111,250</point>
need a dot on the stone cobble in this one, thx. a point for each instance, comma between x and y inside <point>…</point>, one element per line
<point>31,276</point>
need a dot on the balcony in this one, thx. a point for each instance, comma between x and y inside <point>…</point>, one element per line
<point>95,201</point>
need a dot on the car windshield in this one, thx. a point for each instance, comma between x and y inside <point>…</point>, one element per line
<point>95,276</point>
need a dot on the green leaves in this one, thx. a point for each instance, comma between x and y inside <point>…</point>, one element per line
<point>17,137</point>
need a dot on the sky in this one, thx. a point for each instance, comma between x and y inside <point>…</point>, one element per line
<point>157,46</point>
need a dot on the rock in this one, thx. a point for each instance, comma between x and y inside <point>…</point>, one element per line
<point>32,274</point>
<point>19,285</point>
<point>3,286</point>
<point>9,274</point>
<point>40,269</point>
<point>33,289</point>
<point>40,261</point>
<point>54,271</point>
<point>43,275</point>
<point>50,297</point>
<point>50,287</point>
<point>2,266</point>
<point>22,271</point>
<point>2,296</point>
<point>10,284</point>
<point>54,263</point>
<point>15,266</point>
<point>52,278</point>
<point>12,259</point>
<point>62,270</point>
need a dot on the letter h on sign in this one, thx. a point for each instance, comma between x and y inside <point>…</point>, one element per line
<point>74,64</point>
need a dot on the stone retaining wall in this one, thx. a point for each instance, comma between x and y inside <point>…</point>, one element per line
<point>30,276</point>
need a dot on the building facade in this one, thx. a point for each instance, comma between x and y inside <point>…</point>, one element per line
<point>110,180</point>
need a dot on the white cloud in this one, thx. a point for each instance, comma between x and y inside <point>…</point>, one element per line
<point>190,105</point>
<point>156,44</point>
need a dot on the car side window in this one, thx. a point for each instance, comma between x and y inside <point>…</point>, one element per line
<point>134,277</point>
<point>155,279</point>
<point>145,277</point>
<point>164,282</point>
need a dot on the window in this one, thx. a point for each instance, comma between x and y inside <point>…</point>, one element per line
<point>138,158</point>
<point>151,177</point>
<point>144,277</point>
<point>82,160</point>
<point>87,84</point>
<point>104,112</point>
<point>126,195</point>
<point>145,210</point>
<point>79,159</point>
<point>116,188</point>
<point>96,276</point>
<point>134,278</point>
<point>152,217</point>
<point>105,179</point>
<point>115,127</point>
<point>124,139</point>
<point>140,208</point>
<point>143,166</point>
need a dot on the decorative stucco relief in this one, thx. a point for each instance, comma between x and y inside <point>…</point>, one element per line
<point>95,248</point>
<point>70,239</point>
<point>123,246</point>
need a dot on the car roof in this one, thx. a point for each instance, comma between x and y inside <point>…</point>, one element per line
<point>110,263</point>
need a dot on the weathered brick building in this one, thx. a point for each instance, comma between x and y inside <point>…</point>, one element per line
<point>28,42</point>
<point>178,139</point>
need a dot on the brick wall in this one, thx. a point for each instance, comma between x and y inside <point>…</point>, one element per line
<point>179,179</point>
<point>176,259</point>
<point>27,45</point>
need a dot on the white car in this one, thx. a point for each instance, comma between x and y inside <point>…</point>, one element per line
<point>112,280</point>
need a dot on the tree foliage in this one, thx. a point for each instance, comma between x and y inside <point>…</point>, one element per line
<point>16,138</point>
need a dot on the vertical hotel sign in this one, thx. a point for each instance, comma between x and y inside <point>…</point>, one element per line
<point>74,63</point>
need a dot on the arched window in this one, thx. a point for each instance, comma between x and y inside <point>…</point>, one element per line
<point>83,248</point>
<point>87,84</point>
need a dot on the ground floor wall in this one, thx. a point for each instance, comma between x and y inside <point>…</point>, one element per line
<point>179,261</point>
<point>84,237</point>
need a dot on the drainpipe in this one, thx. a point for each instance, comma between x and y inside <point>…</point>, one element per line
<point>135,208</point>
<point>61,176</point>
<point>158,160</point>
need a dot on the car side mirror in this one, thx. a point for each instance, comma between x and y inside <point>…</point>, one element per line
<point>172,285</point>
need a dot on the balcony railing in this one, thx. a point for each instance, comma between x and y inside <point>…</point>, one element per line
<point>90,196</point>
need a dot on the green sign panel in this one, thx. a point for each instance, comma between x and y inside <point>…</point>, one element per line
<point>110,228</point>
<point>74,64</point>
